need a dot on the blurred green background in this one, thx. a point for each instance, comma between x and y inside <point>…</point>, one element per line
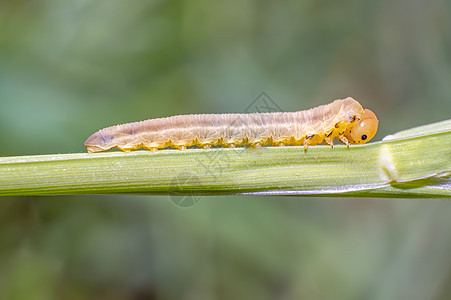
<point>69,68</point>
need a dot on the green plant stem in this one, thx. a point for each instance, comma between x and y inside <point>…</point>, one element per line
<point>414,163</point>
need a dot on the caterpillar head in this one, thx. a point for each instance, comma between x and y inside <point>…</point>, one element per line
<point>364,129</point>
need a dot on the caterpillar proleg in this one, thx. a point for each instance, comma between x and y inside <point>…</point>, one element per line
<point>344,119</point>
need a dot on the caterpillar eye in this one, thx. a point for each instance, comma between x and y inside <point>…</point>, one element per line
<point>364,129</point>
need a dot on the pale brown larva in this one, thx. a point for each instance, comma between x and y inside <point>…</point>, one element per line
<point>344,119</point>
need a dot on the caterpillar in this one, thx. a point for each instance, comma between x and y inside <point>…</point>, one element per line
<point>344,119</point>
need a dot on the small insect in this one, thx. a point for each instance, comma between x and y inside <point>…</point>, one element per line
<point>344,119</point>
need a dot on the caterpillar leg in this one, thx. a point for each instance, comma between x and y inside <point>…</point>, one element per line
<point>257,145</point>
<point>308,141</point>
<point>179,147</point>
<point>125,149</point>
<point>278,144</point>
<point>92,149</point>
<point>329,142</point>
<point>343,140</point>
<point>153,149</point>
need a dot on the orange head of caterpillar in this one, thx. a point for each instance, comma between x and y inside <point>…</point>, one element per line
<point>364,128</point>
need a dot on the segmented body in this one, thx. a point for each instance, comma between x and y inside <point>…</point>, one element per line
<point>308,127</point>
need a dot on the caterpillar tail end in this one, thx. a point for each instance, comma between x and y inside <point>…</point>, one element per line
<point>93,142</point>
<point>93,149</point>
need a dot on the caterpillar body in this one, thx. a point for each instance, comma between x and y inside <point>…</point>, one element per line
<point>344,119</point>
